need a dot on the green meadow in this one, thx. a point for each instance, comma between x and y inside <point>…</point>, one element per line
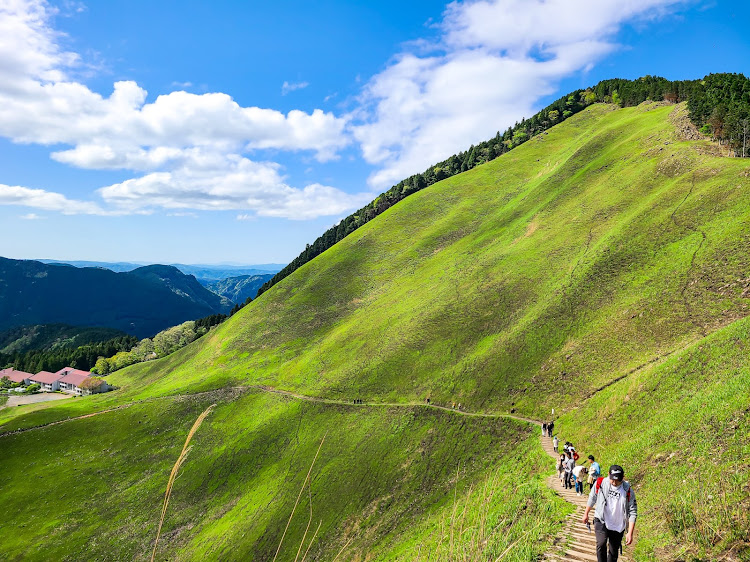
<point>600,269</point>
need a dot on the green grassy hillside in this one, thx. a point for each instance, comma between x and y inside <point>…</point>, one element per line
<point>600,269</point>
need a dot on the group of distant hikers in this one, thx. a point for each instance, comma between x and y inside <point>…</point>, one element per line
<point>613,499</point>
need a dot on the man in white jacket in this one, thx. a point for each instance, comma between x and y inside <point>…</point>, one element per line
<point>616,510</point>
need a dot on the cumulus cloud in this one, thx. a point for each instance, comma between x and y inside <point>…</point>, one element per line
<point>47,201</point>
<point>210,181</point>
<point>31,217</point>
<point>493,61</point>
<point>175,141</point>
<point>287,87</point>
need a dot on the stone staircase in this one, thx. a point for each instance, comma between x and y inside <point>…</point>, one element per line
<point>574,542</point>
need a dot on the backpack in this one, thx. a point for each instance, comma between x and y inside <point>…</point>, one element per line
<point>576,456</point>
<point>599,485</point>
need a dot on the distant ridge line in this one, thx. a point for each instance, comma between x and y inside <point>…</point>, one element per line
<point>729,92</point>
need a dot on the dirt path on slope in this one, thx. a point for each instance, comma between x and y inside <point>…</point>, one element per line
<point>233,389</point>
<point>58,422</point>
<point>272,390</point>
<point>574,542</point>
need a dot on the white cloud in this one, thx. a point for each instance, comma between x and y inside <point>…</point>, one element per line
<point>245,217</point>
<point>47,201</point>
<point>189,214</point>
<point>211,181</point>
<point>287,87</point>
<point>190,148</point>
<point>494,60</point>
<point>31,217</point>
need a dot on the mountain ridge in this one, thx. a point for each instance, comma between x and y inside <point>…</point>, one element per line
<point>598,270</point>
<point>147,300</point>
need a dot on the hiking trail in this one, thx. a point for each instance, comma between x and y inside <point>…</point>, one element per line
<point>575,541</point>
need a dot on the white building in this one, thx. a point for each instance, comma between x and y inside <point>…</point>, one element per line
<point>49,382</point>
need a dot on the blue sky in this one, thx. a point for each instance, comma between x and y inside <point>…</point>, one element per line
<point>237,132</point>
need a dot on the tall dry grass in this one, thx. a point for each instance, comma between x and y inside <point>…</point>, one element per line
<point>301,491</point>
<point>175,469</point>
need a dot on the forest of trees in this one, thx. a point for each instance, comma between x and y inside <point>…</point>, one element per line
<point>719,105</point>
<point>81,357</point>
<point>162,344</point>
<point>116,353</point>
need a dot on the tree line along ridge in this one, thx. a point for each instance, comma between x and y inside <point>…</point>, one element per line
<point>718,105</point>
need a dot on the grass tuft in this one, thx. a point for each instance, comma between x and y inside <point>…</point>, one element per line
<point>173,474</point>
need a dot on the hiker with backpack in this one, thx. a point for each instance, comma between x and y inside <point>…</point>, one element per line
<point>561,468</point>
<point>555,443</point>
<point>595,471</point>
<point>544,429</point>
<point>615,513</point>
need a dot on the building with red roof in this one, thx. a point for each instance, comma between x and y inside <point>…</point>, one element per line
<point>78,382</point>
<point>68,379</point>
<point>48,381</point>
<point>16,376</point>
<point>71,371</point>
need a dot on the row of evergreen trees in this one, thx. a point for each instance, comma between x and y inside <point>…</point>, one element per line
<point>81,357</point>
<point>90,356</point>
<point>719,105</point>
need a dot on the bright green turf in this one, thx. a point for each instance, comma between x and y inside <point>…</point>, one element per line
<point>97,484</point>
<point>525,284</point>
<point>681,430</point>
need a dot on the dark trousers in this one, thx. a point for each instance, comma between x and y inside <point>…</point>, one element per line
<point>603,536</point>
<point>568,483</point>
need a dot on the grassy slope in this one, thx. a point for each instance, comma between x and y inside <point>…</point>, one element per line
<point>379,470</point>
<point>681,428</point>
<point>526,283</point>
<point>563,264</point>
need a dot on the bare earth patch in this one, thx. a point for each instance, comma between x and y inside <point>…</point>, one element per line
<point>530,229</point>
<point>34,398</point>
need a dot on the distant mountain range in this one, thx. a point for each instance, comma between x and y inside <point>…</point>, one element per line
<point>238,289</point>
<point>140,302</point>
<point>203,272</point>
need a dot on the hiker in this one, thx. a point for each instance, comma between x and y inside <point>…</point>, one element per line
<point>555,443</point>
<point>615,512</point>
<point>569,464</point>
<point>595,471</point>
<point>551,428</point>
<point>579,472</point>
<point>544,429</point>
<point>561,468</point>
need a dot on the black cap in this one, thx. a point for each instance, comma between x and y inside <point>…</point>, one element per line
<point>616,472</point>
